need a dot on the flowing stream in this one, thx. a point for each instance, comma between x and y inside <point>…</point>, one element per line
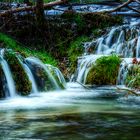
<point>74,113</point>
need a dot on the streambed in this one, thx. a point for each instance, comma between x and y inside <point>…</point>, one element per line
<point>75,113</point>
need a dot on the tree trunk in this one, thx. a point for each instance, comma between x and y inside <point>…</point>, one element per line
<point>40,12</point>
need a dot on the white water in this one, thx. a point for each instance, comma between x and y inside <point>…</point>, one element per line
<point>84,65</point>
<point>38,62</point>
<point>32,79</point>
<point>58,73</point>
<point>56,80</point>
<point>30,75</point>
<point>122,40</point>
<point>8,75</point>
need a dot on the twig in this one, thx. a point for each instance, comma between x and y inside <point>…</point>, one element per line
<point>130,91</point>
<point>83,85</point>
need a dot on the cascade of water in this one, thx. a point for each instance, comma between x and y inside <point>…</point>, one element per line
<point>138,48</point>
<point>122,40</point>
<point>8,75</point>
<point>84,67</point>
<point>126,63</point>
<point>50,76</point>
<point>30,75</point>
<point>58,74</point>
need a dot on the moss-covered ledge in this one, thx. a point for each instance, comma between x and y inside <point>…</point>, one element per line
<point>104,71</point>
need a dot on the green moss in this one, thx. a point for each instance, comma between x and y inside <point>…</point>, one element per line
<point>133,77</point>
<point>75,50</point>
<point>23,84</point>
<point>104,71</point>
<point>8,42</point>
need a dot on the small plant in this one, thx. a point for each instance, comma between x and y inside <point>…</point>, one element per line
<point>133,76</point>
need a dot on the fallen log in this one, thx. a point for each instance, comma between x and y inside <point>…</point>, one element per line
<point>59,2</point>
<point>120,6</point>
<point>31,8</point>
<point>135,10</point>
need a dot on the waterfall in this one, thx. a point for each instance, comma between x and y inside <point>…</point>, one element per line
<point>122,40</point>
<point>58,73</point>
<point>84,66</point>
<point>8,75</point>
<point>17,75</point>
<point>31,77</point>
<point>29,73</point>
<point>50,76</point>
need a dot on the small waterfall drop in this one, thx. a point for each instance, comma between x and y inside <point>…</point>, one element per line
<point>29,73</point>
<point>39,63</point>
<point>8,75</point>
<point>85,63</point>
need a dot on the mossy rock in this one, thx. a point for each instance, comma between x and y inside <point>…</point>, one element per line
<point>23,84</point>
<point>104,71</point>
<point>41,77</point>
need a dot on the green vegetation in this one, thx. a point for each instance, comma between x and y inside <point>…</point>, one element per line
<point>104,71</point>
<point>133,77</point>
<point>75,50</point>
<point>23,84</point>
<point>87,23</point>
<point>8,42</point>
